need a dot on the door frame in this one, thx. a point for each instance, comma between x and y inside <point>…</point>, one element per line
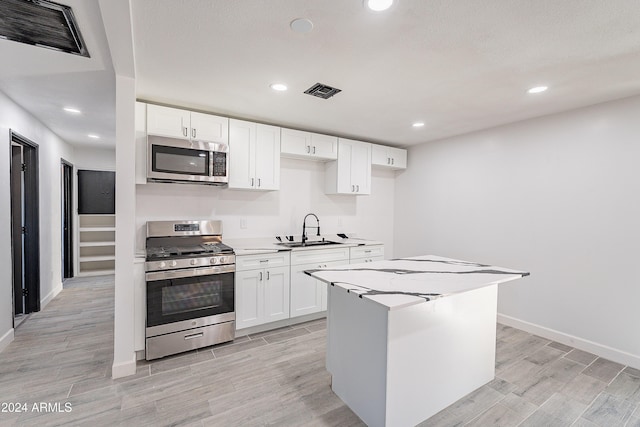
<point>67,214</point>
<point>31,192</point>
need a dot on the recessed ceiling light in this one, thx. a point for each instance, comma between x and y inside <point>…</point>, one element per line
<point>279,87</point>
<point>378,5</point>
<point>301,25</point>
<point>94,136</point>
<point>72,110</point>
<point>418,124</point>
<point>537,89</point>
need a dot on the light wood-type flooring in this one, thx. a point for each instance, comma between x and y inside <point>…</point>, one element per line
<point>62,357</point>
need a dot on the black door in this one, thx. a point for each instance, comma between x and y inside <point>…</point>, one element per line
<point>25,225</point>
<point>67,219</point>
<point>16,228</point>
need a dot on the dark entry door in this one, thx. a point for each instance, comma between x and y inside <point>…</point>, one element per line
<point>17,209</point>
<point>67,222</point>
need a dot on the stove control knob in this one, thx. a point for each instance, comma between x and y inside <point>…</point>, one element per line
<point>194,261</point>
<point>214,260</point>
<point>174,263</point>
<point>163,264</point>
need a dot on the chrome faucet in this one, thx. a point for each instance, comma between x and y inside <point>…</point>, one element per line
<point>304,227</point>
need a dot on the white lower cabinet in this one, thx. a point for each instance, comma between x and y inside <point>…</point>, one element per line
<point>367,253</point>
<point>309,295</point>
<point>262,293</point>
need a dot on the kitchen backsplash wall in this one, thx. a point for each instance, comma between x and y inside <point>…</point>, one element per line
<point>266,214</point>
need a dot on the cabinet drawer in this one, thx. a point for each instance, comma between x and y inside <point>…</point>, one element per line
<point>370,251</point>
<point>319,255</point>
<point>252,262</point>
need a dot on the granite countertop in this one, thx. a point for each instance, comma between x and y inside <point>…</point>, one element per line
<point>403,282</point>
<point>255,246</point>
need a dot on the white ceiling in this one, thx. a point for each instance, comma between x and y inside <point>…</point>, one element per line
<point>459,66</point>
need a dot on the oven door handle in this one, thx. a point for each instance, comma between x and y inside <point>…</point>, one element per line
<point>189,272</point>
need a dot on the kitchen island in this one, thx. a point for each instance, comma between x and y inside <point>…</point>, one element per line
<point>408,337</point>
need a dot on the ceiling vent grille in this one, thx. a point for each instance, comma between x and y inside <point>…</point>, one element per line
<point>41,23</point>
<point>322,91</point>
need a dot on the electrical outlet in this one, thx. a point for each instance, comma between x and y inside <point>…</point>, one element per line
<point>243,223</point>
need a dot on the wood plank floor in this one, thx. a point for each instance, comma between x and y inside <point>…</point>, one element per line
<point>63,355</point>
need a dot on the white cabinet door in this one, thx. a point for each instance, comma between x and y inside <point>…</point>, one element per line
<point>249,298</point>
<point>324,146</point>
<point>306,292</point>
<point>296,143</point>
<point>361,167</point>
<point>308,145</point>
<point>351,173</point>
<point>276,294</point>
<point>242,141</point>
<point>388,157</point>
<point>254,156</point>
<point>167,121</point>
<point>267,157</point>
<point>207,127</point>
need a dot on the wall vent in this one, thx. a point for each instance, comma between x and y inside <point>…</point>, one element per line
<point>41,23</point>
<point>322,91</point>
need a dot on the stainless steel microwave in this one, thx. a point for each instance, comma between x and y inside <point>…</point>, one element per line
<point>187,161</point>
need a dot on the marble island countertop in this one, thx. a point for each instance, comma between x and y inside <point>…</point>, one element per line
<point>255,246</point>
<point>402,282</point>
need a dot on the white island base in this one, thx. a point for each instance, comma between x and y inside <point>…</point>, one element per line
<point>399,366</point>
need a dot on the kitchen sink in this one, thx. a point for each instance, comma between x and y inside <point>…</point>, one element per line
<point>308,244</point>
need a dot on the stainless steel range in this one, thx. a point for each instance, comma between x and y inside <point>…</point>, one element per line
<point>190,287</point>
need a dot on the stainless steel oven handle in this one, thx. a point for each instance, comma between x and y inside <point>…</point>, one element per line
<point>192,336</point>
<point>189,272</point>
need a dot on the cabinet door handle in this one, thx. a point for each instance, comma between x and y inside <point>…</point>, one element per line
<point>353,188</point>
<point>308,149</point>
<point>268,275</point>
<point>388,160</point>
<point>357,188</point>
<point>393,161</point>
<point>261,276</point>
<point>193,133</point>
<point>185,131</point>
<point>258,182</point>
<point>314,149</point>
<point>252,181</point>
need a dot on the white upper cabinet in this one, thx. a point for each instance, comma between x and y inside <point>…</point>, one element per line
<point>351,172</point>
<point>207,127</point>
<point>308,145</point>
<point>177,123</point>
<point>388,157</point>
<point>254,156</point>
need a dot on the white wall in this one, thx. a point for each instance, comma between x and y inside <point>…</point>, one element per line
<point>277,212</point>
<point>558,196</point>
<point>51,149</point>
<point>103,159</point>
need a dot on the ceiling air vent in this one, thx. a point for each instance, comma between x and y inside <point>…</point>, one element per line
<point>322,91</point>
<point>41,23</point>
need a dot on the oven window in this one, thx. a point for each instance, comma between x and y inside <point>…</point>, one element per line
<point>180,160</point>
<point>191,296</point>
<point>174,300</point>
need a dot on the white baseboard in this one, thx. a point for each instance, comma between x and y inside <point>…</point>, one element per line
<point>6,339</point>
<point>51,295</point>
<point>124,369</point>
<point>601,350</point>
